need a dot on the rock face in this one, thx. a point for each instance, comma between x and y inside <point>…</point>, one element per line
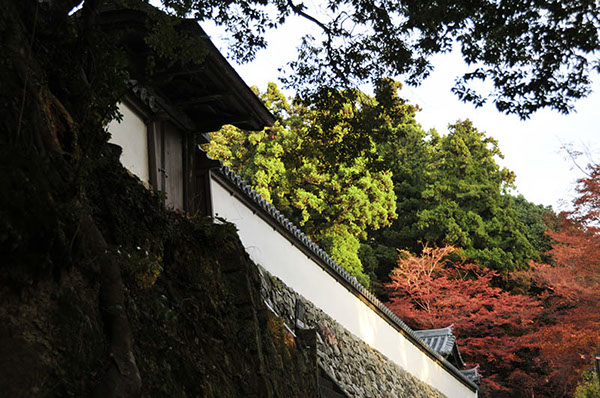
<point>357,368</point>
<point>192,300</point>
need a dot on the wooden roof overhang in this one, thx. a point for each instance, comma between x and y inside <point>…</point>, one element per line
<point>203,95</point>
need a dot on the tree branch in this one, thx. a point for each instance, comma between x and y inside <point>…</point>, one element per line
<point>298,9</point>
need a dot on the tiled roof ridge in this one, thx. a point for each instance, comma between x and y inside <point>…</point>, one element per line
<point>472,374</point>
<point>276,215</point>
<point>143,93</point>
<point>446,331</point>
<point>433,336</point>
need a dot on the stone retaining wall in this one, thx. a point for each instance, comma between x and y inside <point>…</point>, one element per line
<point>357,368</point>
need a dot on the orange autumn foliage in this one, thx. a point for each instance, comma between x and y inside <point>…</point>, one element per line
<point>526,344</point>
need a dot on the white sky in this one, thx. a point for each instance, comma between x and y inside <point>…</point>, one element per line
<point>532,148</point>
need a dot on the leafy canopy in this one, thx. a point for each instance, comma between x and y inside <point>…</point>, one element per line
<point>534,54</point>
<point>464,202</point>
<point>533,344</point>
<point>321,164</point>
<point>451,191</point>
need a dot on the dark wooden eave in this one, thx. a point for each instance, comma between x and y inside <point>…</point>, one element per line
<point>209,94</point>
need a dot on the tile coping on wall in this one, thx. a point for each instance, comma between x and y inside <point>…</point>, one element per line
<point>270,214</point>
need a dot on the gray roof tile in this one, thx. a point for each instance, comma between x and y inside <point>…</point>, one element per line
<point>472,374</point>
<point>441,340</point>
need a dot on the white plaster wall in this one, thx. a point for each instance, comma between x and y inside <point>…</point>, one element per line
<point>267,247</point>
<point>131,135</point>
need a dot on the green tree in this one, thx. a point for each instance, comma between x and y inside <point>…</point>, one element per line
<point>536,220</point>
<point>588,387</point>
<point>465,203</point>
<point>451,191</point>
<point>321,166</point>
<point>408,154</point>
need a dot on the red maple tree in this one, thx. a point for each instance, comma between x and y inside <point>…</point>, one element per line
<point>431,291</point>
<point>570,343</point>
<point>577,238</point>
<point>526,344</point>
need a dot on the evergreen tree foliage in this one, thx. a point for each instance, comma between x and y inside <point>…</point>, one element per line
<point>352,166</point>
<point>451,191</point>
<point>464,203</point>
<point>588,387</point>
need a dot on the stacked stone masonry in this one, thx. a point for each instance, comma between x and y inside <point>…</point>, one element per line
<point>357,368</point>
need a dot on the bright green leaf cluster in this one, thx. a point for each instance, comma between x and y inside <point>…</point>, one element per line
<point>363,179</point>
<point>320,164</point>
